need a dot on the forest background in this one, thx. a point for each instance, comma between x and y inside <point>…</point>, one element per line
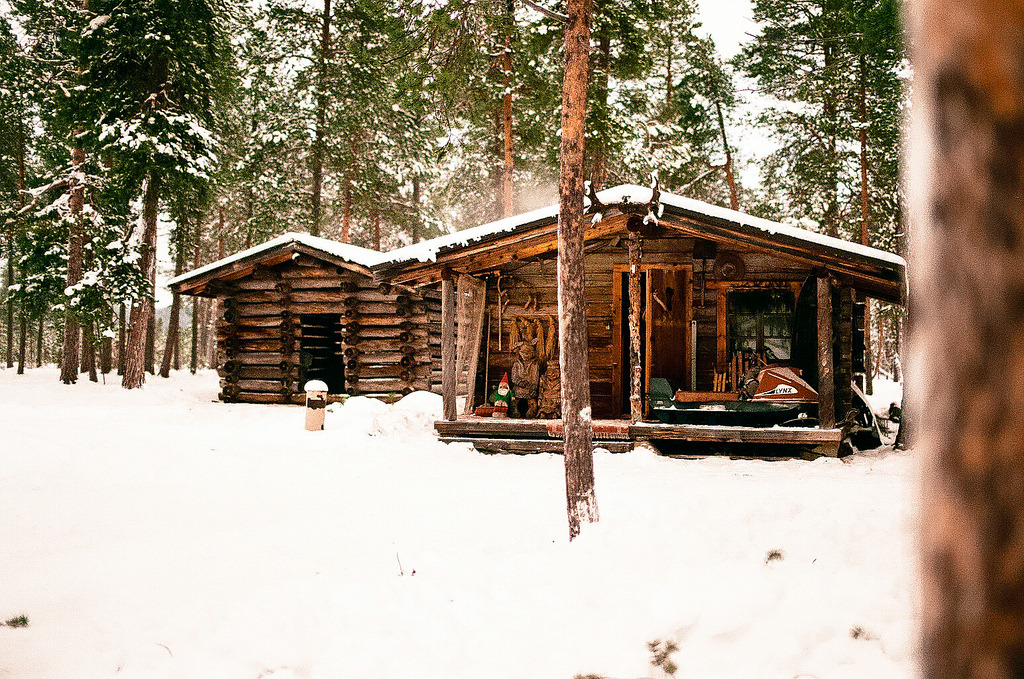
<point>196,128</point>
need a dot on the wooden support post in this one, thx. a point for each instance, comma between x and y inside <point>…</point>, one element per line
<point>826,372</point>
<point>635,367</point>
<point>448,376</point>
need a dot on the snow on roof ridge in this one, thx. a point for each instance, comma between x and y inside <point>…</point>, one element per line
<point>348,252</point>
<point>427,251</point>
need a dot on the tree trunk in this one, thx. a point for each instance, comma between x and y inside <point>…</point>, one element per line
<point>449,377</point>
<point>89,353</point>
<point>346,215</point>
<point>106,354</point>
<point>507,199</point>
<point>171,344</point>
<point>829,109</point>
<point>865,215</point>
<point>151,338</point>
<point>39,343</point>
<point>581,500</point>
<point>967,293</point>
<point>142,311</point>
<point>599,148</point>
<point>193,362</point>
<point>72,343</point>
<point>730,178</point>
<point>10,298</point>
<point>23,319</point>
<point>416,220</point>
<point>121,325</point>
<point>319,143</point>
<point>22,337</point>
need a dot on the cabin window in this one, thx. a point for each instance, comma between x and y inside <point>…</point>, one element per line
<point>760,321</point>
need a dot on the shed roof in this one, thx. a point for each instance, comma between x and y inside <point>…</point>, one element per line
<point>275,251</point>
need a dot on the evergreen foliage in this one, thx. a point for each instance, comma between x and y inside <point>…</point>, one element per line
<point>389,127</point>
<point>812,57</point>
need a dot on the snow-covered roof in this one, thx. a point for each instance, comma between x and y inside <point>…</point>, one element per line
<point>350,253</point>
<point>427,251</point>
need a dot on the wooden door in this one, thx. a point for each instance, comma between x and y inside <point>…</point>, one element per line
<point>668,326</point>
<point>664,329</point>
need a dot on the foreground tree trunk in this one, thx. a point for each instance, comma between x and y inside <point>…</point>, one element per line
<point>142,311</point>
<point>968,332</point>
<point>572,308</point>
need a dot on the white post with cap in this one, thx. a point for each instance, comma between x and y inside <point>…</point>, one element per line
<point>316,405</point>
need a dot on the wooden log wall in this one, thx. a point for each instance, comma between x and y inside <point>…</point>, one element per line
<point>384,338</point>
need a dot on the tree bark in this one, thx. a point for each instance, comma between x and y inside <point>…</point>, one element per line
<point>449,378</point>
<point>967,296</point>
<point>319,142</point>
<point>121,339</point>
<point>22,337</point>
<point>151,337</point>
<point>10,298</point>
<point>193,363</point>
<point>89,353</point>
<point>72,341</point>
<point>730,178</point>
<point>142,309</point>
<point>865,215</point>
<point>581,500</point>
<point>22,318</point>
<point>171,344</point>
<point>599,149</point>
<point>106,354</point>
<point>39,344</point>
<point>507,198</point>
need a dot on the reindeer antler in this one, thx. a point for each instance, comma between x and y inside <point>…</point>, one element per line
<point>654,208</point>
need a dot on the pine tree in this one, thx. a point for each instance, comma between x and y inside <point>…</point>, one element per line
<point>816,57</point>
<point>151,73</point>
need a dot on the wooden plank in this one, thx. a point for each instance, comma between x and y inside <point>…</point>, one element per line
<point>530,446</point>
<point>449,378</point>
<point>727,434</point>
<point>470,309</point>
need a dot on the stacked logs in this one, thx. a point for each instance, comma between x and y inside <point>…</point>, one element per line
<point>258,339</point>
<point>274,320</point>
<point>388,337</point>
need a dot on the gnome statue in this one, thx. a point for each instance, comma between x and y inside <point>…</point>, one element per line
<point>502,397</point>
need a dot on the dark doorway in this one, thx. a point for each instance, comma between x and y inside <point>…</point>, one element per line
<point>321,351</point>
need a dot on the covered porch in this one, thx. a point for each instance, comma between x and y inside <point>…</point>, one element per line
<point>619,436</point>
<point>683,308</point>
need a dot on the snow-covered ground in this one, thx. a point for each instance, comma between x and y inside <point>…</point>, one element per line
<point>159,533</point>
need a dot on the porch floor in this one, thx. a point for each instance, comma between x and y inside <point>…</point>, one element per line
<point>534,436</point>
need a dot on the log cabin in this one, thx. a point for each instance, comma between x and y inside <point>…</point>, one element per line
<point>298,308</point>
<point>686,303</point>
